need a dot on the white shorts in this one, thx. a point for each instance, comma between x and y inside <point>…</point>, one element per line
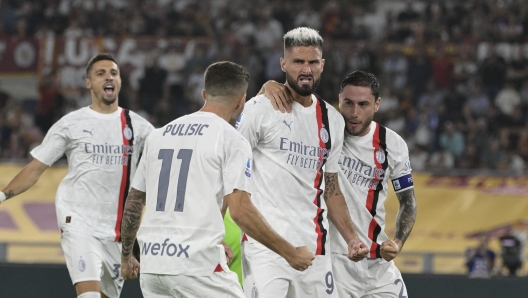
<point>372,278</point>
<point>90,258</point>
<point>219,284</point>
<point>268,275</point>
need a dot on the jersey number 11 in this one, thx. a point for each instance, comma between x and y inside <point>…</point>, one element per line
<point>163,185</point>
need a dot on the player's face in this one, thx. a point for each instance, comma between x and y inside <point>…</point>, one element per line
<point>104,81</point>
<point>358,105</point>
<point>303,67</point>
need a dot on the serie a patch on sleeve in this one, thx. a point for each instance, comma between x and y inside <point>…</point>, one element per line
<point>402,183</point>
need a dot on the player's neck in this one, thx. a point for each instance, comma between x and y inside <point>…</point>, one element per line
<point>104,108</point>
<point>218,109</point>
<point>305,101</point>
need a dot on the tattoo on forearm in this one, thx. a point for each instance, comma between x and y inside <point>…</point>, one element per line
<point>406,214</point>
<point>131,220</point>
<point>10,193</point>
<point>331,186</point>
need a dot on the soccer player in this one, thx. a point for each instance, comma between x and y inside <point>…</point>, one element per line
<point>292,154</point>
<point>371,155</point>
<point>102,143</point>
<point>192,170</point>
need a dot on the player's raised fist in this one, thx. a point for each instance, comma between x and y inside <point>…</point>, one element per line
<point>357,250</point>
<point>389,250</point>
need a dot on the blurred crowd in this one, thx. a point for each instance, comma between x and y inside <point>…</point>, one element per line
<point>446,85</point>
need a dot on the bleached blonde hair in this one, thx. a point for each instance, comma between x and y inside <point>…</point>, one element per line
<point>304,37</point>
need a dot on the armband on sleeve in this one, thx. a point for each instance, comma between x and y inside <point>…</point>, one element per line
<point>402,183</point>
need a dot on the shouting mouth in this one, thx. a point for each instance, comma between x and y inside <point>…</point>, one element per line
<point>109,89</point>
<point>305,80</point>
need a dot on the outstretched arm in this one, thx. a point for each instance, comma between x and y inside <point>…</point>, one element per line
<point>404,224</point>
<point>25,179</point>
<point>129,226</point>
<point>338,214</point>
<point>249,219</point>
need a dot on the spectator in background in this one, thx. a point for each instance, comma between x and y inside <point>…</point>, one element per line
<point>452,106</point>
<point>522,143</point>
<point>507,100</point>
<point>244,28</point>
<point>307,16</point>
<point>442,66</point>
<point>420,71</point>
<point>492,154</point>
<point>464,72</point>
<point>269,30</point>
<point>470,158</point>
<point>452,140</point>
<point>395,120</point>
<point>395,67</point>
<point>405,19</point>
<point>151,85</point>
<point>418,158</point>
<point>480,260</point>
<point>524,98</point>
<point>441,159</point>
<point>432,97</point>
<point>478,102</point>
<point>493,73</point>
<point>511,253</point>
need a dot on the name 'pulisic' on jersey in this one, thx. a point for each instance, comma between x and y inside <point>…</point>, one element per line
<point>302,155</point>
<point>183,129</point>
<point>359,173</point>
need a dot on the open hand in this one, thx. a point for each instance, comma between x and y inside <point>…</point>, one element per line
<point>279,95</point>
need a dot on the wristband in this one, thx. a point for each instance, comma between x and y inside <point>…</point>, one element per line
<point>2,196</point>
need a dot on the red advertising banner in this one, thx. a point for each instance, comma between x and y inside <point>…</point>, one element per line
<point>18,55</point>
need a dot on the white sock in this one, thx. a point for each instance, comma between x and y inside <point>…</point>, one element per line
<point>90,295</point>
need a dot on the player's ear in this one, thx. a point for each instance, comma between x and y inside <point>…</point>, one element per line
<point>88,84</point>
<point>283,64</point>
<point>203,94</point>
<point>377,104</point>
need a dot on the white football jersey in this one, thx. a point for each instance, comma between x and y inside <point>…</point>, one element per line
<point>291,151</point>
<point>188,167</point>
<point>102,151</point>
<point>367,163</point>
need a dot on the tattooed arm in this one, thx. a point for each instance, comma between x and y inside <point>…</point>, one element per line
<point>406,215</point>
<point>338,214</point>
<point>25,179</point>
<point>404,224</point>
<point>129,226</point>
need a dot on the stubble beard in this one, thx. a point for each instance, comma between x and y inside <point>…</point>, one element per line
<point>364,126</point>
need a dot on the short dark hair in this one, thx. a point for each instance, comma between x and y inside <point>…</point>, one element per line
<point>363,79</point>
<point>97,58</point>
<point>302,37</point>
<point>225,79</point>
